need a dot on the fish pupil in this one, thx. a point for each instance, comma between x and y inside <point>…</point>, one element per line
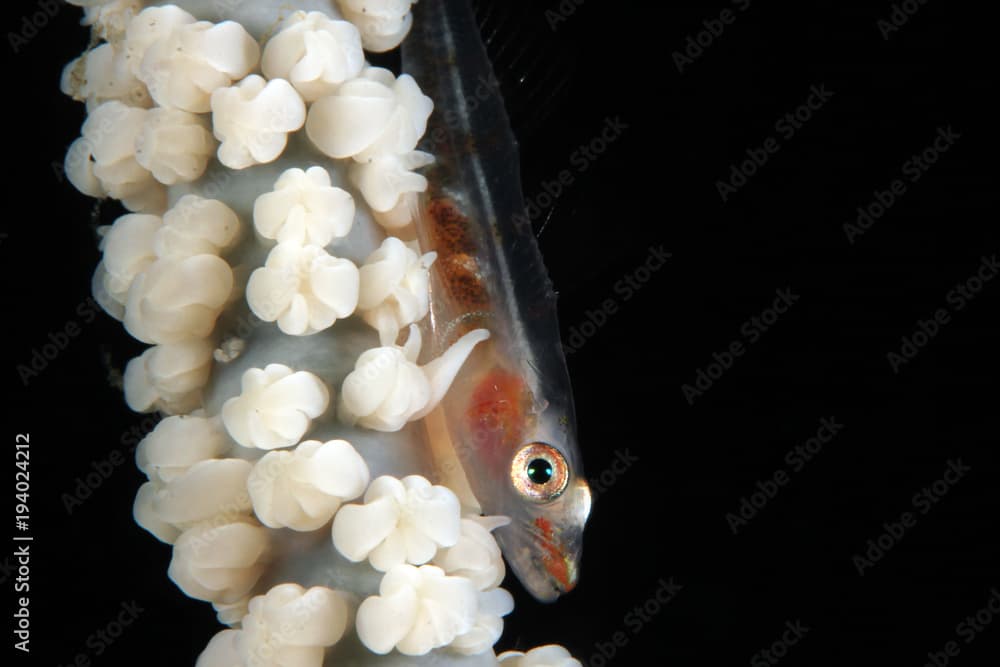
<point>539,471</point>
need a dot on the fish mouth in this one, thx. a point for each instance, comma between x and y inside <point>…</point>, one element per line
<point>543,545</point>
<point>554,560</point>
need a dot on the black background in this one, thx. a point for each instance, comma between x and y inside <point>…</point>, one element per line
<point>653,186</point>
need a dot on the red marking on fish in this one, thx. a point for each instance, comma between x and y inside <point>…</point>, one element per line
<point>497,414</point>
<point>553,559</point>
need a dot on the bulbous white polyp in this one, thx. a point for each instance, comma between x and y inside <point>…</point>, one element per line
<point>221,651</point>
<point>417,610</point>
<point>394,291</point>
<point>220,560</point>
<point>109,18</point>
<point>179,442</point>
<point>193,226</point>
<point>174,145</point>
<point>101,75</point>
<point>178,299</point>
<point>182,61</point>
<point>304,208</point>
<point>551,655</point>
<point>303,488</point>
<point>291,626</point>
<point>275,407</point>
<point>288,627</point>
<point>315,53</point>
<point>384,391</point>
<point>401,521</point>
<point>168,377</point>
<point>210,489</point>
<point>476,555</point>
<point>387,389</point>
<point>206,489</point>
<point>303,288</point>
<point>196,226</point>
<point>487,627</point>
<point>383,23</point>
<point>147,518</point>
<point>231,613</point>
<point>389,185</point>
<point>374,114</point>
<point>128,247</point>
<point>149,26</point>
<point>253,118</point>
<point>102,162</point>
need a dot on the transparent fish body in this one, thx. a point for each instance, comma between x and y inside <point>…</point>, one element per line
<point>514,390</point>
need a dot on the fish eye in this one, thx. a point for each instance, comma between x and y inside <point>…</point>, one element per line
<point>539,472</point>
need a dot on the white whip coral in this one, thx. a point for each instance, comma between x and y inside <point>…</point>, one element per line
<point>401,521</point>
<point>101,75</point>
<point>543,656</point>
<point>275,408</point>
<point>102,161</point>
<point>176,300</point>
<point>253,118</point>
<point>179,442</point>
<point>182,61</point>
<point>304,208</point>
<point>394,290</point>
<point>303,288</point>
<point>220,561</point>
<point>206,489</point>
<point>476,555</point>
<point>109,18</point>
<point>315,53</point>
<point>302,489</point>
<point>196,226</point>
<point>169,377</point>
<point>417,609</point>
<point>387,389</point>
<point>390,186</point>
<point>174,145</point>
<point>373,114</point>
<point>383,23</point>
<point>288,627</point>
<point>193,226</point>
<point>129,248</point>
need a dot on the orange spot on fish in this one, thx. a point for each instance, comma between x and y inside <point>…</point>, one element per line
<point>552,557</point>
<point>497,411</point>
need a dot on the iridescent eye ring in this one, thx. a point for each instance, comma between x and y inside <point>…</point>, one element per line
<point>539,472</point>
